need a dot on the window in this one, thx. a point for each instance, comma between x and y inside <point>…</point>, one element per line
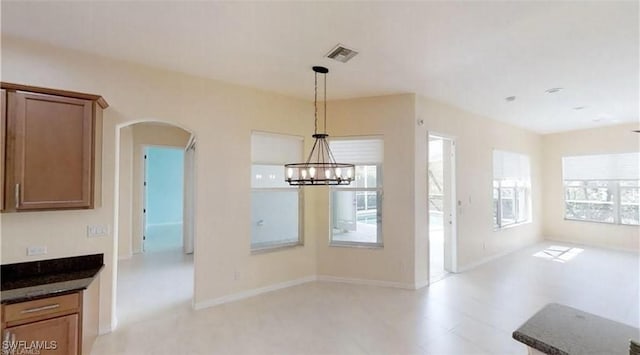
<point>511,189</point>
<point>275,206</point>
<point>602,188</point>
<point>356,209</point>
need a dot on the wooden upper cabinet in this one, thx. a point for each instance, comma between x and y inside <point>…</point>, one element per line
<point>50,156</point>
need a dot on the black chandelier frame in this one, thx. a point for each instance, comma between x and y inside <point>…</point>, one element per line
<point>320,167</point>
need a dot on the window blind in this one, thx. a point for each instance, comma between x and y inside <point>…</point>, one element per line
<point>359,151</point>
<point>270,148</point>
<point>625,166</point>
<point>511,166</point>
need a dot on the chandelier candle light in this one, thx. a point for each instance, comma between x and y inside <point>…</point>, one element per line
<point>321,167</point>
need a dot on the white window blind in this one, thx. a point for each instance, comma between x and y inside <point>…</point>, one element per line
<point>276,207</point>
<point>624,166</point>
<point>511,189</point>
<point>360,151</point>
<point>511,166</point>
<point>270,148</point>
<point>356,209</point>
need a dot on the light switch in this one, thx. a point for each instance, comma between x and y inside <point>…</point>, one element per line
<point>36,250</point>
<point>97,230</point>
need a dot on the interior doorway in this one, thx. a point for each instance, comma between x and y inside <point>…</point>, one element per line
<point>163,198</point>
<point>155,209</point>
<point>442,207</point>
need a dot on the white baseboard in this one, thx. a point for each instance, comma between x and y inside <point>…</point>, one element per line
<point>582,243</point>
<point>107,328</point>
<point>326,278</point>
<point>421,284</point>
<point>258,291</point>
<point>474,265</point>
<point>250,293</point>
<point>380,283</point>
<point>125,257</point>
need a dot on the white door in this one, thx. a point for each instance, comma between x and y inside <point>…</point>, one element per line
<point>449,203</point>
<point>188,219</point>
<point>442,207</point>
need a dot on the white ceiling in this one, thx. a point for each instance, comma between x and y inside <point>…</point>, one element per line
<point>469,54</point>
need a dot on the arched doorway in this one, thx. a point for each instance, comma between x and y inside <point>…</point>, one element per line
<point>154,217</point>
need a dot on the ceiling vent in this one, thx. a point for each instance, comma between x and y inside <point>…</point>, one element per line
<point>341,53</point>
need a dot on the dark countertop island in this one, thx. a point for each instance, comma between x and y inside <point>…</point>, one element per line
<point>44,278</point>
<point>562,330</point>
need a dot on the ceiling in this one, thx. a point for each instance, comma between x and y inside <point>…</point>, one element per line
<point>468,54</point>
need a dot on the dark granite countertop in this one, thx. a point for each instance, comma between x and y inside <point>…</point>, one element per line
<point>43,278</point>
<point>562,330</point>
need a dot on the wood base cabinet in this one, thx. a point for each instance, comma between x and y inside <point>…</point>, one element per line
<point>50,150</point>
<point>52,336</point>
<point>60,325</point>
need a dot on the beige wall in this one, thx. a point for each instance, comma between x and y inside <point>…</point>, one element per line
<point>392,118</point>
<point>614,139</point>
<point>403,261</point>
<point>220,115</point>
<point>125,245</point>
<point>476,137</point>
<point>148,134</point>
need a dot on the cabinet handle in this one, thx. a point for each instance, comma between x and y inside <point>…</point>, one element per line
<point>17,195</point>
<point>43,308</point>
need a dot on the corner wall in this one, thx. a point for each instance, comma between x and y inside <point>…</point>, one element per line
<point>476,137</point>
<point>613,139</point>
<point>393,265</point>
<point>403,261</point>
<point>222,116</point>
<point>125,245</point>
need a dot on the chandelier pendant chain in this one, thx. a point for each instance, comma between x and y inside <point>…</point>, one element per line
<point>315,105</point>
<point>325,102</point>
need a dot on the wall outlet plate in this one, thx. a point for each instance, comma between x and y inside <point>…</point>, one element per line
<point>36,250</point>
<point>97,230</point>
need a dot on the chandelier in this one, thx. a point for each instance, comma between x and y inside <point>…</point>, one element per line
<point>321,167</point>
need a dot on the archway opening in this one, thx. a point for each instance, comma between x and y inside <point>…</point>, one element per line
<point>153,220</point>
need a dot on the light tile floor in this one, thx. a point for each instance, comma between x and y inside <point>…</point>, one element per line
<point>436,255</point>
<point>153,283</point>
<point>470,313</point>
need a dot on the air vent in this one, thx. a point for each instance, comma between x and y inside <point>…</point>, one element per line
<point>341,53</point>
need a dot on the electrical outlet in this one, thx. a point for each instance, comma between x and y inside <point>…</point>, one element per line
<point>36,250</point>
<point>236,275</point>
<point>97,230</point>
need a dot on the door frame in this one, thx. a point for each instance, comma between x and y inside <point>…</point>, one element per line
<point>188,195</point>
<point>144,199</point>
<point>454,203</point>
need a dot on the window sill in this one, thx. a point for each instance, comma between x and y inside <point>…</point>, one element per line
<point>356,245</point>
<point>512,226</point>
<point>279,247</point>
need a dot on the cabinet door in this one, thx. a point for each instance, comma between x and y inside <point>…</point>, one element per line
<point>52,151</point>
<point>53,336</point>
